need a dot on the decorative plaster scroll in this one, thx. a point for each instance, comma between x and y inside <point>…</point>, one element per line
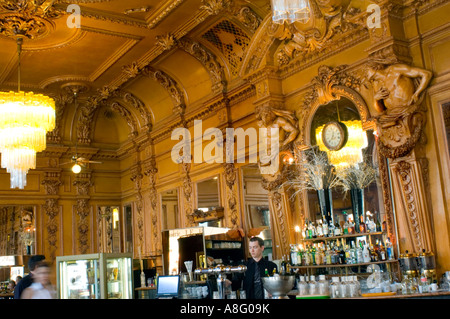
<point>126,114</point>
<point>329,17</point>
<point>208,60</point>
<point>166,41</point>
<point>29,18</point>
<point>107,96</point>
<point>214,7</point>
<point>170,85</point>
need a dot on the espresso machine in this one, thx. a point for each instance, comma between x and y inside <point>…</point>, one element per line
<point>409,265</point>
<point>427,265</point>
<point>221,272</point>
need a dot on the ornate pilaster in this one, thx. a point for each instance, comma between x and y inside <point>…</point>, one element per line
<point>150,170</point>
<point>51,182</point>
<point>280,213</point>
<point>136,178</point>
<point>187,194</point>
<point>231,191</point>
<point>83,210</point>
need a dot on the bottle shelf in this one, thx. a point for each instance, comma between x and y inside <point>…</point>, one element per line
<point>345,265</point>
<point>343,236</point>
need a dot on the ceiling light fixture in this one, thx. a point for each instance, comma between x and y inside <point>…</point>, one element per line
<point>25,119</point>
<point>290,11</point>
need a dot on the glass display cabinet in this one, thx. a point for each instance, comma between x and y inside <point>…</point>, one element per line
<point>95,276</point>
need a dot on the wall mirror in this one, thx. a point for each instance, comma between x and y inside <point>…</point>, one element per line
<point>108,227</point>
<point>356,196</point>
<point>128,228</point>
<point>17,230</point>
<point>257,213</point>
<point>209,211</point>
<point>169,209</point>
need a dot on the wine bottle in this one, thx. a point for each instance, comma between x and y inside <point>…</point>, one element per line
<point>362,225</point>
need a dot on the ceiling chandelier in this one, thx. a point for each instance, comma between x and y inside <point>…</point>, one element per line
<point>290,11</point>
<point>25,119</point>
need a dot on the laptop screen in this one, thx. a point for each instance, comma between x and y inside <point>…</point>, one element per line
<point>168,286</point>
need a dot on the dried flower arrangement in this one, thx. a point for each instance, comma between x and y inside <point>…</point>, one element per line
<point>357,176</point>
<point>312,172</point>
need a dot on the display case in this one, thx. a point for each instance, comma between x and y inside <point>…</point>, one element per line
<point>95,276</point>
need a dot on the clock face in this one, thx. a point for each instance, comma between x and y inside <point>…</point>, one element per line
<point>333,136</point>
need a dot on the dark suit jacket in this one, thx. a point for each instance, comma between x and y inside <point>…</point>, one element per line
<point>22,285</point>
<point>247,279</point>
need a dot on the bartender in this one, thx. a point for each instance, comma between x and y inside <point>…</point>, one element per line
<point>256,267</point>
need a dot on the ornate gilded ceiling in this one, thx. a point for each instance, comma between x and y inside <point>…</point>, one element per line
<point>162,53</point>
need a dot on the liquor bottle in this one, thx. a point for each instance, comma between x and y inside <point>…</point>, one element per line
<point>351,227</point>
<point>382,252</point>
<point>337,228</point>
<point>305,232</point>
<point>331,229</point>
<point>310,231</point>
<point>266,273</point>
<point>346,226</point>
<point>325,229</point>
<point>389,249</point>
<point>313,229</point>
<point>366,254</point>
<point>373,254</point>
<point>359,254</point>
<point>294,255</point>
<point>328,254</point>
<point>362,225</point>
<point>384,225</point>
<point>319,229</point>
<point>299,256</point>
<point>378,224</point>
<point>348,255</point>
<point>283,266</point>
<point>341,255</point>
<point>313,255</point>
<point>353,255</point>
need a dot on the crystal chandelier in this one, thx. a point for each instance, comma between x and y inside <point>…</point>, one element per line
<point>25,119</point>
<point>290,11</point>
<point>351,153</point>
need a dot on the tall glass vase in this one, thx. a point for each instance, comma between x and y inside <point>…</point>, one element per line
<point>326,204</point>
<point>357,197</point>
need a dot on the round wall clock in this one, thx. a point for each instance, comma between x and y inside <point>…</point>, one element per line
<point>334,135</point>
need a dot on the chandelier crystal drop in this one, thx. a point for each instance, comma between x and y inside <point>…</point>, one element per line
<point>290,11</point>
<point>25,119</point>
<point>351,153</point>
